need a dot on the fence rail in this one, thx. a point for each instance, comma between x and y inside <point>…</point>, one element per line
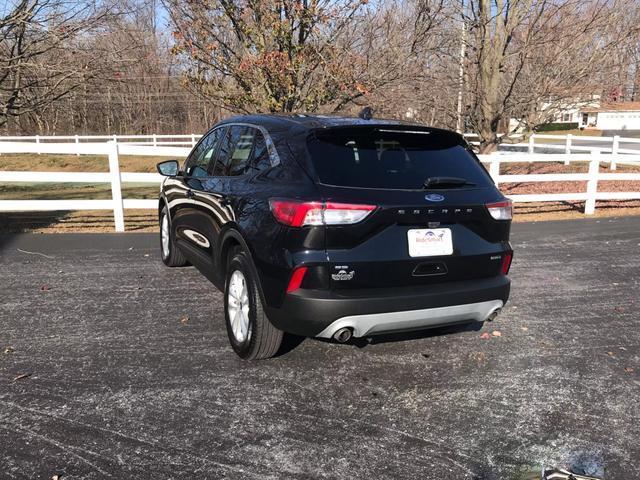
<point>566,144</point>
<point>115,178</point>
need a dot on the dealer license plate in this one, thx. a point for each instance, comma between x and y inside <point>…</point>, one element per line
<point>430,242</point>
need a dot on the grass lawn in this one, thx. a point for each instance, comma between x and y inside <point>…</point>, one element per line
<point>74,191</point>
<point>145,220</point>
<point>576,132</point>
<point>72,163</point>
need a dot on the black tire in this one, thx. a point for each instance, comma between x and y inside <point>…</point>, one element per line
<point>174,257</point>
<point>263,340</point>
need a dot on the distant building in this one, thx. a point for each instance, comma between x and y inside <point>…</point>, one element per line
<point>570,111</point>
<point>557,111</point>
<point>587,113</point>
<point>611,116</point>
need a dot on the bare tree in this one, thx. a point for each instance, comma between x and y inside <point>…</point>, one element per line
<point>42,54</point>
<point>528,54</point>
<point>291,55</point>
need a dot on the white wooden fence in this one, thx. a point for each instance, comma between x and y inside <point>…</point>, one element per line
<point>567,144</point>
<point>117,204</point>
<point>110,149</point>
<point>155,140</point>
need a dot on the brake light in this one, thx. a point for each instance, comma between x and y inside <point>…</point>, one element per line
<point>502,210</point>
<point>506,263</point>
<point>296,279</point>
<point>299,214</point>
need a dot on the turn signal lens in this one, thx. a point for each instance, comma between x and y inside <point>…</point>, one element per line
<point>299,214</point>
<point>501,210</point>
<point>296,214</point>
<point>506,262</point>
<point>296,279</point>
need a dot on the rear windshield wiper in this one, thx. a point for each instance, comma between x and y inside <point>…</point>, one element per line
<point>442,182</point>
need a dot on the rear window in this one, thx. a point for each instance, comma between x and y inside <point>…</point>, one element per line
<point>394,159</point>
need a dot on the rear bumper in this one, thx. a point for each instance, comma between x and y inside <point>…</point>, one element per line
<point>368,312</point>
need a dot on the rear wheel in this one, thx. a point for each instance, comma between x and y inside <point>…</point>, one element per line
<point>250,332</point>
<point>171,256</point>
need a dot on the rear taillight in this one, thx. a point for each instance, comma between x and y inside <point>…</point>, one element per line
<point>296,279</point>
<point>506,263</point>
<point>299,214</point>
<point>501,210</point>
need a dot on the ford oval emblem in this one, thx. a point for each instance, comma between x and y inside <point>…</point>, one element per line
<point>434,197</point>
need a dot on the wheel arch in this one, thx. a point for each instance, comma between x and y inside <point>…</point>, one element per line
<point>229,239</point>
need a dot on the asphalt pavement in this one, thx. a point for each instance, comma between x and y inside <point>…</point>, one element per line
<point>114,366</point>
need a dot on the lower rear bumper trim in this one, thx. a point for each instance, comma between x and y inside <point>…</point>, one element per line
<point>375,323</point>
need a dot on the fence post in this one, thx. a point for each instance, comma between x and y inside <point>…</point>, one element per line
<point>116,186</point>
<point>38,143</point>
<point>614,151</point>
<point>193,139</point>
<point>494,170</point>
<point>155,140</point>
<point>531,143</point>
<point>592,183</point>
<point>115,138</point>
<point>567,147</point>
<point>77,143</point>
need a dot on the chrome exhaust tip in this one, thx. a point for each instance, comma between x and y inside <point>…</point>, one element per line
<point>492,316</point>
<point>342,335</point>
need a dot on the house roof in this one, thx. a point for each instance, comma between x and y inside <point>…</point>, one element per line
<point>614,107</point>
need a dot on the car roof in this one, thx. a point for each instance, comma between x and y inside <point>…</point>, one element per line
<point>301,121</point>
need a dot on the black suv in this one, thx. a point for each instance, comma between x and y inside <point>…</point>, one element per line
<point>337,227</point>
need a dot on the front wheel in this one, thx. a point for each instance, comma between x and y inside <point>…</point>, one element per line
<point>171,256</point>
<point>250,332</point>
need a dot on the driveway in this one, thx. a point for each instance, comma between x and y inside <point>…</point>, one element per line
<point>113,366</point>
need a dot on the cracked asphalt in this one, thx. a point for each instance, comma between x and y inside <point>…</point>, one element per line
<point>127,373</point>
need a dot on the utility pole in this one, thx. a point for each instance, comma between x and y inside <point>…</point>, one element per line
<point>463,51</point>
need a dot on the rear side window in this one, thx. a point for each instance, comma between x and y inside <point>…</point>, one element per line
<point>393,159</point>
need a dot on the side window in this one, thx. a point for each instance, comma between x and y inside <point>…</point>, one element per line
<point>235,152</point>
<point>260,158</point>
<point>199,163</point>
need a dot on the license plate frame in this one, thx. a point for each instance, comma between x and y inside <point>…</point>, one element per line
<point>429,242</point>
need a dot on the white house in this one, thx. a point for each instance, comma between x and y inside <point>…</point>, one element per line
<point>559,111</point>
<point>611,116</point>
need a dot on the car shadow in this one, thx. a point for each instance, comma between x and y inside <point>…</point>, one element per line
<point>364,342</point>
<point>471,326</point>
<point>15,224</point>
<point>289,342</point>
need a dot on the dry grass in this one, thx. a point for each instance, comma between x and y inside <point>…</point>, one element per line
<point>145,220</point>
<point>541,212</point>
<point>72,163</point>
<point>88,221</point>
<point>576,132</point>
<point>73,191</point>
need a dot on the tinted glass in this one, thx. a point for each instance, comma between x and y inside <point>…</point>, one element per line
<point>260,157</point>
<point>235,152</point>
<point>199,163</point>
<point>378,158</point>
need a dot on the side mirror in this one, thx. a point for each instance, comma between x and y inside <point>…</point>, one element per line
<point>169,168</point>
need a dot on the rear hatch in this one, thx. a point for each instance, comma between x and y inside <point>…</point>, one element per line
<point>431,223</point>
